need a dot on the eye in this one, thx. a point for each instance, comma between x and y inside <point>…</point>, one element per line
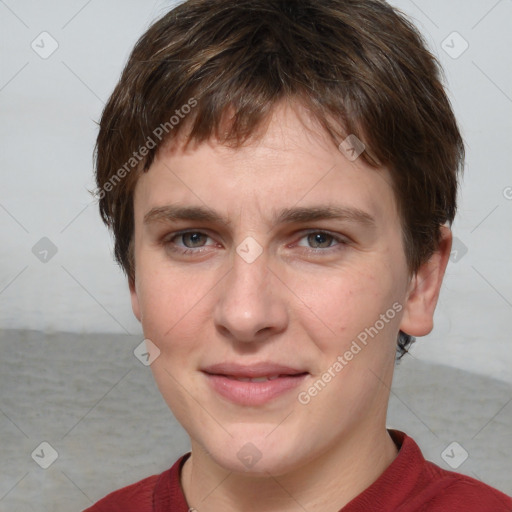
<point>188,242</point>
<point>320,240</point>
<point>192,239</point>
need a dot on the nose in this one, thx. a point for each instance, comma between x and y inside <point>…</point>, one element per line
<point>251,305</point>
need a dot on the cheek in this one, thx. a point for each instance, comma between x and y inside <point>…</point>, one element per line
<point>173,318</point>
<point>172,307</point>
<point>343,304</point>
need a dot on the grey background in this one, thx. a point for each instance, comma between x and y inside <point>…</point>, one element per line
<point>67,371</point>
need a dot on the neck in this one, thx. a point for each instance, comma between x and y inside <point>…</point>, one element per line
<point>326,483</point>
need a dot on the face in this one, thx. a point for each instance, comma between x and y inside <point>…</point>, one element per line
<point>280,259</point>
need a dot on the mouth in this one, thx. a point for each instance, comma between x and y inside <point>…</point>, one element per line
<point>264,378</point>
<point>255,384</point>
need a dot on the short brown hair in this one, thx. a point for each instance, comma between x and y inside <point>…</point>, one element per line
<point>358,66</point>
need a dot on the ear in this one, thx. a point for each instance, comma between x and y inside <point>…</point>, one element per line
<point>135,299</point>
<point>424,288</point>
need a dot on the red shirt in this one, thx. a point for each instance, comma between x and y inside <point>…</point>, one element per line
<point>409,484</point>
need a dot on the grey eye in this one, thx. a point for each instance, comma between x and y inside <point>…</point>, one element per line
<point>193,239</point>
<point>320,240</point>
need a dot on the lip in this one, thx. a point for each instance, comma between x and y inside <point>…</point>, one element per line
<point>221,379</point>
<point>252,371</point>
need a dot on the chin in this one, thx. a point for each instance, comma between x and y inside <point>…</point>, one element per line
<point>256,455</point>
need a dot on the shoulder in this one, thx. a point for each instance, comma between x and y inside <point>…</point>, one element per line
<point>413,484</point>
<point>154,493</point>
<point>448,490</point>
<point>137,497</point>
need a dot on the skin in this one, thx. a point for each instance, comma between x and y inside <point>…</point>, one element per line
<point>301,303</point>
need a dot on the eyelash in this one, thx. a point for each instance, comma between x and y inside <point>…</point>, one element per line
<point>169,243</point>
<point>337,240</point>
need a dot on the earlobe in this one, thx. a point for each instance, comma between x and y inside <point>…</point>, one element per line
<point>135,300</point>
<point>425,285</point>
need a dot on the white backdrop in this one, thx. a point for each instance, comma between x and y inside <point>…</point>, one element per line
<point>59,62</point>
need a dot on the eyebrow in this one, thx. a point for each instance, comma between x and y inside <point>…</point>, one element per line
<point>314,213</point>
<point>170,213</point>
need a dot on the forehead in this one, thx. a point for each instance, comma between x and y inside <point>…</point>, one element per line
<point>292,163</point>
